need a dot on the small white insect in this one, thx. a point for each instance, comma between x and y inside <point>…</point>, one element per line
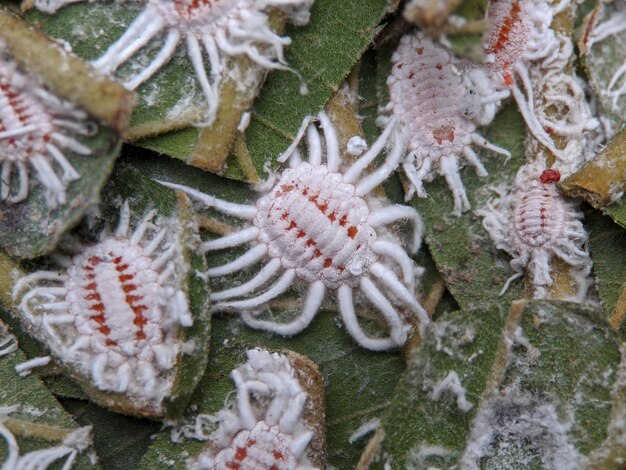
<point>223,28</point>
<point>41,459</point>
<point>535,222</point>
<point>438,109</point>
<point>520,35</point>
<point>114,313</point>
<point>317,224</point>
<point>267,430</point>
<point>34,126</point>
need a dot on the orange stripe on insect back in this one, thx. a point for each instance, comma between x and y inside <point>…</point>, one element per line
<point>504,32</point>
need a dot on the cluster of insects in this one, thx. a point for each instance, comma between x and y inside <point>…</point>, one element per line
<point>114,310</point>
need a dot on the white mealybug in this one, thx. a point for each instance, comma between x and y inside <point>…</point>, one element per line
<point>533,223</point>
<point>113,313</point>
<point>35,126</point>
<point>318,224</point>
<point>520,35</point>
<point>438,109</point>
<point>222,28</point>
<point>267,429</point>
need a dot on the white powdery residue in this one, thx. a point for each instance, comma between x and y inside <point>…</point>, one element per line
<point>356,145</point>
<point>244,122</point>
<point>26,367</point>
<point>520,339</point>
<point>418,457</point>
<point>510,430</point>
<point>365,429</point>
<point>452,383</point>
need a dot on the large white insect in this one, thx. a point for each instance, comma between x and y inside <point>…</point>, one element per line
<point>35,126</point>
<point>438,109</point>
<point>533,223</point>
<point>268,432</point>
<point>520,35</point>
<point>318,224</point>
<point>222,28</point>
<point>114,312</point>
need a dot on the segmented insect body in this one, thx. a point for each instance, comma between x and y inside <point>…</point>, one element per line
<point>267,432</point>
<point>222,28</point>
<point>519,36</point>
<point>34,128</point>
<point>535,223</point>
<point>115,311</point>
<point>317,225</point>
<point>432,101</point>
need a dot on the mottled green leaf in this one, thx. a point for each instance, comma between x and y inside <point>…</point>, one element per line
<point>602,60</point>
<point>607,243</point>
<point>517,392</point>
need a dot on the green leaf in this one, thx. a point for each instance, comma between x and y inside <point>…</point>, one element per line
<point>607,242</point>
<point>39,421</point>
<point>602,60</point>
<point>535,401</point>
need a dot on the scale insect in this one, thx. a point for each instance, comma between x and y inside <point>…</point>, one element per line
<point>534,223</point>
<point>113,313</point>
<point>438,101</point>
<point>219,28</point>
<point>35,128</point>
<point>267,428</point>
<point>318,225</point>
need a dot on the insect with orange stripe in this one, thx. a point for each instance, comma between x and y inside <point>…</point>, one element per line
<point>520,36</point>
<point>114,310</point>
<point>317,224</point>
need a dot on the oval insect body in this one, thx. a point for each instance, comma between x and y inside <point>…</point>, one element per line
<point>315,223</point>
<point>115,311</point>
<point>439,100</point>
<point>534,223</point>
<point>426,88</point>
<point>114,286</point>
<point>538,217</point>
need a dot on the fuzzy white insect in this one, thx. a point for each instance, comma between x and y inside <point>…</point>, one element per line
<point>113,313</point>
<point>615,25</point>
<point>34,126</point>
<point>265,433</point>
<point>535,222</point>
<point>317,224</point>
<point>222,28</point>
<point>72,445</point>
<point>438,110</point>
<point>520,35</point>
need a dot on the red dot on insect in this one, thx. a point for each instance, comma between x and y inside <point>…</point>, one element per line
<point>550,176</point>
